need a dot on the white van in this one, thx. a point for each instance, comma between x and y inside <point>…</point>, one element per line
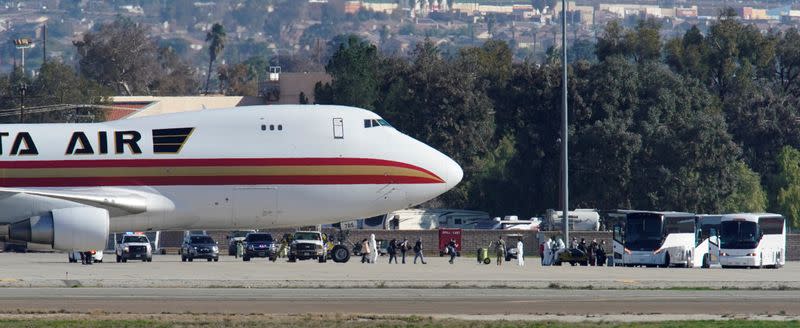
<point>580,219</point>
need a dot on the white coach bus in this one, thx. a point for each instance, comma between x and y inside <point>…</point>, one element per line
<point>753,240</point>
<point>706,253</point>
<point>656,239</point>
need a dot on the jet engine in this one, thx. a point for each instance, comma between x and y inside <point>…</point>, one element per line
<point>67,229</point>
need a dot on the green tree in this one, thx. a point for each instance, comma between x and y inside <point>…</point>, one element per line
<point>176,78</point>
<point>55,84</point>
<point>612,42</point>
<point>788,199</point>
<point>685,55</point>
<point>748,195</point>
<point>788,61</point>
<point>236,80</point>
<point>216,39</point>
<point>120,55</point>
<point>644,41</point>
<point>627,148</point>
<point>323,94</point>
<point>737,55</point>
<point>353,68</point>
<point>488,190</point>
<point>58,83</point>
<point>641,44</point>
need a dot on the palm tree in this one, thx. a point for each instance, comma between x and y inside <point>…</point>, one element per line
<point>217,38</point>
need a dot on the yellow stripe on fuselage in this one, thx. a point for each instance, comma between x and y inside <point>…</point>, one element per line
<point>203,171</point>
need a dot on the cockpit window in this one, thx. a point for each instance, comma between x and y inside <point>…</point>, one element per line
<point>370,123</point>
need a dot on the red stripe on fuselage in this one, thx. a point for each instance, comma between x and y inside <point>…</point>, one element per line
<point>208,180</point>
<point>84,163</point>
<point>215,180</point>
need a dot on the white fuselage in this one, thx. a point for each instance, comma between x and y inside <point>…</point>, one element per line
<point>249,167</point>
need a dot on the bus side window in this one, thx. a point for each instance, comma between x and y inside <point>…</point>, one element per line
<point>618,233</point>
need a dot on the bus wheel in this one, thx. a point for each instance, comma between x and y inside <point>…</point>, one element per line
<point>706,261</point>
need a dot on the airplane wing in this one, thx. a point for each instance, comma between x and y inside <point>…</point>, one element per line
<point>118,202</point>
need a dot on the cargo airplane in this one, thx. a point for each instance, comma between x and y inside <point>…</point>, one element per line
<point>70,185</point>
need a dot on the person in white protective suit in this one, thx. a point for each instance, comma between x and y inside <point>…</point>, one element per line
<point>520,259</point>
<point>559,248</point>
<point>547,254</point>
<point>373,245</point>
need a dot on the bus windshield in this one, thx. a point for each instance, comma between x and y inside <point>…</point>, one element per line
<point>643,232</point>
<point>739,235</point>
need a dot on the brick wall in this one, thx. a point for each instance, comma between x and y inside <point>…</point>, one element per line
<point>793,247</point>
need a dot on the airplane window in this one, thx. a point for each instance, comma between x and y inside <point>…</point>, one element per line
<point>263,127</point>
<point>280,127</point>
<point>369,123</point>
<point>272,127</point>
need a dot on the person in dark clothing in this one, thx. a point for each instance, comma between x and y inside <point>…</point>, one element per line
<point>364,251</point>
<point>582,245</point>
<point>591,252</point>
<point>403,248</point>
<point>418,251</point>
<point>392,250</point>
<point>451,249</point>
<point>600,253</point>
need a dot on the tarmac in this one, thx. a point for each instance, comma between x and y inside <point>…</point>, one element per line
<point>44,283</point>
<point>167,271</point>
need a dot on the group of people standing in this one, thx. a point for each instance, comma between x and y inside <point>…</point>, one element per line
<point>501,250</point>
<point>551,249</point>
<point>369,250</point>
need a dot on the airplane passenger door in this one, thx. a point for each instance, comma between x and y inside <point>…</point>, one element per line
<point>255,207</point>
<point>338,128</point>
<point>618,247</point>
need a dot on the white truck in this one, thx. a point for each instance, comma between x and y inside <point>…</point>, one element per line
<point>307,245</point>
<point>134,246</point>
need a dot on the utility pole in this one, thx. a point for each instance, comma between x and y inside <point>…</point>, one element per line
<point>44,44</point>
<point>564,159</point>
<point>22,88</point>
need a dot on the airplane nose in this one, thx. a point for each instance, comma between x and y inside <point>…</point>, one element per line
<point>451,172</point>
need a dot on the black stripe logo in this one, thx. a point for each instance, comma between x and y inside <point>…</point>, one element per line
<point>170,141</point>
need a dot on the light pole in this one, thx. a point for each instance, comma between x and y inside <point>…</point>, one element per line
<point>23,44</point>
<point>564,159</point>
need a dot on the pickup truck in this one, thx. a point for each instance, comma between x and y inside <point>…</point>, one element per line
<point>307,245</point>
<point>134,246</point>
